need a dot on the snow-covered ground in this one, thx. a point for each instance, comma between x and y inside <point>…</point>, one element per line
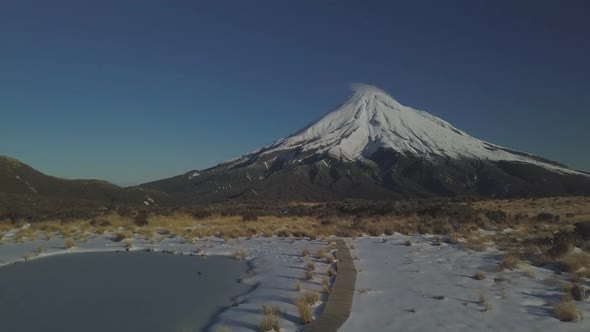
<point>423,287</point>
<point>401,288</point>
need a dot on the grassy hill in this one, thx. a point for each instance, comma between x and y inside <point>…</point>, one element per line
<point>19,178</point>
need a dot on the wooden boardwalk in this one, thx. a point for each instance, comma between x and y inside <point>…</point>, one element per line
<point>339,304</point>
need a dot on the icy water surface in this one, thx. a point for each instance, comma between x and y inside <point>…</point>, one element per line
<point>116,291</point>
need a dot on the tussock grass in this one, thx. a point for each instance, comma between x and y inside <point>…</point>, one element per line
<point>453,238</point>
<point>566,311</point>
<point>328,257</point>
<point>120,236</point>
<point>475,244</point>
<point>479,275</point>
<point>332,272</point>
<point>460,218</point>
<point>509,262</point>
<point>304,303</point>
<point>240,254</point>
<point>304,310</point>
<point>304,252</point>
<point>310,297</point>
<point>326,285</point>
<point>270,318</point>
<point>69,243</point>
<point>574,262</point>
<point>320,252</point>
<point>483,301</point>
<point>27,233</point>
<point>308,275</point>
<point>270,310</point>
<point>577,292</point>
<point>309,266</point>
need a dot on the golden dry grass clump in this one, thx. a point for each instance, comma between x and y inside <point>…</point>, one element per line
<point>304,310</point>
<point>479,275</point>
<point>69,243</point>
<point>475,243</point>
<point>310,297</point>
<point>509,262</point>
<point>332,272</point>
<point>328,257</point>
<point>303,303</point>
<point>270,318</point>
<point>574,262</point>
<point>240,254</point>
<point>566,311</point>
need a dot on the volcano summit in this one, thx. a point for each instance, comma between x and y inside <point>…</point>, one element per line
<point>373,147</point>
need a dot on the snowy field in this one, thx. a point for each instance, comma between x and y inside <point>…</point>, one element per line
<point>424,286</point>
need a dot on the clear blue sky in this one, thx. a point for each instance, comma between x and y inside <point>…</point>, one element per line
<point>131,91</point>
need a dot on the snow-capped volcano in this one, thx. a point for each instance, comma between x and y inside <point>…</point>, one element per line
<point>374,147</point>
<point>371,119</point>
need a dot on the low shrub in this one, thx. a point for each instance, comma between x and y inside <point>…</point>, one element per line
<point>240,254</point>
<point>249,216</point>
<point>509,262</point>
<point>566,311</point>
<point>69,243</point>
<point>141,219</point>
<point>574,262</point>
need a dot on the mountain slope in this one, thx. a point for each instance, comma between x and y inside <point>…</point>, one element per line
<point>374,147</point>
<point>19,178</point>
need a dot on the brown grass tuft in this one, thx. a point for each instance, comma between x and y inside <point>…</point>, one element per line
<point>566,311</point>
<point>328,257</point>
<point>509,262</point>
<point>310,297</point>
<point>240,254</point>
<point>270,318</point>
<point>574,262</point>
<point>69,243</point>
<point>304,252</point>
<point>476,244</point>
<point>304,310</point>
<point>308,275</point>
<point>326,285</point>
<point>332,272</point>
<point>479,275</point>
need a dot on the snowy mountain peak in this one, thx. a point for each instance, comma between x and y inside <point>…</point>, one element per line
<point>371,119</point>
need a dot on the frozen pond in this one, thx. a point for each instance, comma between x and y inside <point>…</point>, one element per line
<point>117,291</point>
